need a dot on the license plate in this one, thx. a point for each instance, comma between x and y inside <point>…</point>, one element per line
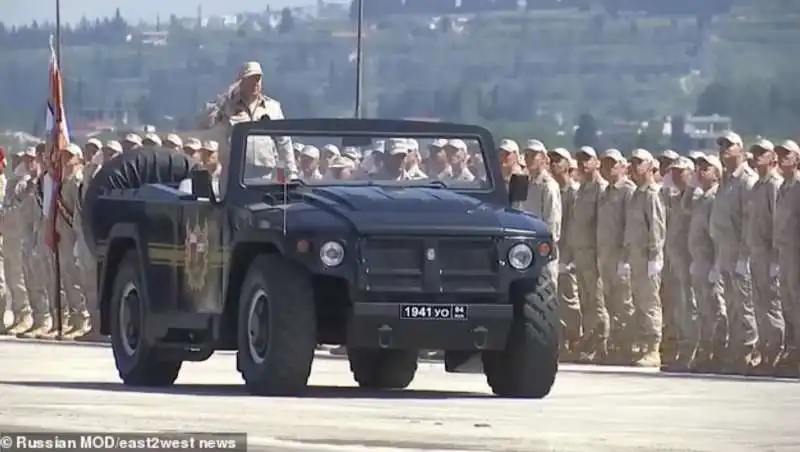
<point>434,312</point>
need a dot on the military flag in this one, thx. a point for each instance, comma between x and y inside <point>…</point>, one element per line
<point>58,139</point>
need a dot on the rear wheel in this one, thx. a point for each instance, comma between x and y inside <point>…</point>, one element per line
<point>277,329</point>
<point>383,369</point>
<point>138,363</point>
<point>527,367</point>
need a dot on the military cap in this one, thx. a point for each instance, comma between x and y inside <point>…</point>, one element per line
<point>29,151</point>
<point>74,149</point>
<point>456,144</point>
<point>193,143</point>
<point>509,146</point>
<point>250,69</point>
<point>694,155</point>
<point>643,155</point>
<point>561,152</point>
<point>174,139</point>
<point>342,162</point>
<point>438,143</point>
<point>535,146</point>
<point>297,146</point>
<point>152,139</point>
<point>762,146</point>
<point>133,138</point>
<point>113,145</point>
<point>413,145</point>
<point>331,149</point>
<point>310,151</point>
<point>210,146</point>
<point>95,142</point>
<point>712,160</point>
<point>790,146</point>
<point>613,154</point>
<point>730,137</point>
<point>397,146</point>
<point>669,154</point>
<point>587,150</point>
<point>683,163</point>
<point>351,153</point>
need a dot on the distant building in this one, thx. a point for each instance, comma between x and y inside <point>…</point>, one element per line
<point>703,131</point>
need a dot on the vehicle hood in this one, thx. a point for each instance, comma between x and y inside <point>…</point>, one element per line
<point>404,210</point>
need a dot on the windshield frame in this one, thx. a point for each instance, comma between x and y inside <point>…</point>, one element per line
<point>495,190</point>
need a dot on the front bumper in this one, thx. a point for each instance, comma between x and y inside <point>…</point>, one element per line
<point>378,325</point>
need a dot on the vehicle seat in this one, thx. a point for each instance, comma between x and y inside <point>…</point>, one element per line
<point>186,186</point>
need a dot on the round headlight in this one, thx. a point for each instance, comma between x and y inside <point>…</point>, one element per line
<point>520,256</point>
<point>331,254</point>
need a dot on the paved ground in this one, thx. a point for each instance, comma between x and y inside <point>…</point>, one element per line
<point>63,387</point>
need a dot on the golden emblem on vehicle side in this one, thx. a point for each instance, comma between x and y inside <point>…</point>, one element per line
<point>196,255</point>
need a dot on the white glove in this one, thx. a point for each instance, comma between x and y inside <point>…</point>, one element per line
<point>743,267</point>
<point>564,267</point>
<point>774,270</point>
<point>654,268</point>
<point>714,275</point>
<point>624,270</point>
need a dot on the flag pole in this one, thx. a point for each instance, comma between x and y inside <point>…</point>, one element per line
<point>359,60</point>
<point>57,172</point>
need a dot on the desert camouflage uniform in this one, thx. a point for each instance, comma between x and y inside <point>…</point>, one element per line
<point>13,235</point>
<point>568,302</point>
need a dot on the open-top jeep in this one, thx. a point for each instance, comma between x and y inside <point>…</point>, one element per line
<point>384,265</point>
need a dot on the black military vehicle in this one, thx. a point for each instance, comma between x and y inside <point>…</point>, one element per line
<point>383,265</point>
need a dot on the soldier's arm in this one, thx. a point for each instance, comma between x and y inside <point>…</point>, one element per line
<point>772,196</point>
<point>551,210</point>
<point>748,181</point>
<point>565,255</point>
<point>283,144</point>
<point>656,216</point>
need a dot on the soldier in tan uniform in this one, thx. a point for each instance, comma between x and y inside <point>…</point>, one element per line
<point>611,211</point>
<point>111,149</point>
<point>244,101</point>
<point>712,320</point>
<point>728,221</point>
<point>787,223</point>
<point>682,310</point>
<point>5,301</point>
<point>13,234</point>
<point>131,142</point>
<point>92,147</point>
<point>764,256</point>
<point>192,148</point>
<point>68,206</point>
<point>645,231</point>
<point>569,304</point>
<point>582,239</point>
<point>509,158</point>
<point>544,194</point>
<point>173,141</point>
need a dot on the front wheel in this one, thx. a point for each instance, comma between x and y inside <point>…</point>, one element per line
<point>277,332</point>
<point>138,363</point>
<point>528,365</point>
<point>383,369</point>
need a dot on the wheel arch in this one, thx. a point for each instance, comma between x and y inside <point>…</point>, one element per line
<point>123,237</point>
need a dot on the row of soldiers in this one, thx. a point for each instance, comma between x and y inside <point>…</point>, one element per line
<point>26,279</point>
<point>688,263</point>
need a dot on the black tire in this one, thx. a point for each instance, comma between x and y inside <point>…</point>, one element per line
<point>291,327</point>
<point>383,369</point>
<point>137,365</point>
<point>528,366</point>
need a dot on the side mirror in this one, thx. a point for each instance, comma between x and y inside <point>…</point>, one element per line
<point>518,188</point>
<point>202,187</point>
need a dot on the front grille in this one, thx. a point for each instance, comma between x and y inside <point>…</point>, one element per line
<point>400,265</point>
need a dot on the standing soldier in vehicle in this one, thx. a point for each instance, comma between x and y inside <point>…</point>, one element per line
<point>569,305</point>
<point>34,261</point>
<point>611,211</point>
<point>645,230</point>
<point>764,256</point>
<point>728,220</point>
<point>67,207</point>
<point>582,238</point>
<point>544,194</point>
<point>244,101</point>
<point>13,233</point>
<point>787,223</point>
<point>682,310</point>
<point>712,321</point>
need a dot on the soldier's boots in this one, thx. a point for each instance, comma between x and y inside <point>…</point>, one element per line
<point>22,322</point>
<point>38,329</point>
<point>53,333</point>
<point>769,361</point>
<point>684,362</point>
<point>80,327</point>
<point>597,353</point>
<point>788,365</point>
<point>650,356</point>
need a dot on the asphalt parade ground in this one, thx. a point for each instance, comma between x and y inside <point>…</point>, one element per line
<point>74,388</point>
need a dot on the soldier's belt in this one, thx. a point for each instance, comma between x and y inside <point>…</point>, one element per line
<point>65,213</point>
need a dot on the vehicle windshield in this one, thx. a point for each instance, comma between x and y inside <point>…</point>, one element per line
<point>451,162</point>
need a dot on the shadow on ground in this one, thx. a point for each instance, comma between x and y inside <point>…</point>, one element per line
<point>313,392</point>
<point>631,372</point>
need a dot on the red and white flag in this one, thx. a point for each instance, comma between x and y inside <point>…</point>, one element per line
<point>58,140</point>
